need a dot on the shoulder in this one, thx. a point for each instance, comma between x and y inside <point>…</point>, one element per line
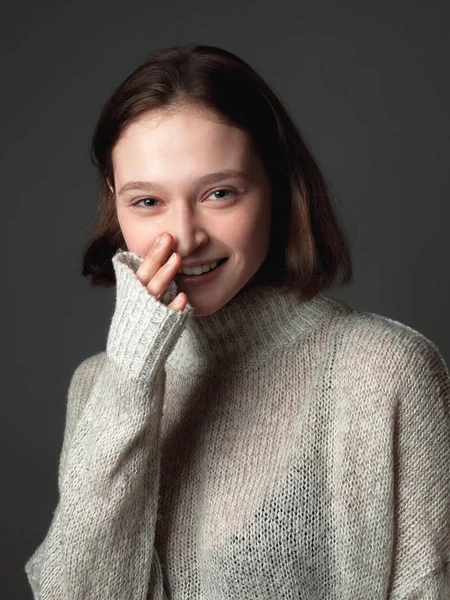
<point>381,350</point>
<point>87,371</point>
<point>82,381</point>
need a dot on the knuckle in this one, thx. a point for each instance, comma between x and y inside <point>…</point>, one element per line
<point>140,274</point>
<point>156,286</point>
<point>154,292</point>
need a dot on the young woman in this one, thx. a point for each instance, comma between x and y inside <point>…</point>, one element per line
<point>244,434</point>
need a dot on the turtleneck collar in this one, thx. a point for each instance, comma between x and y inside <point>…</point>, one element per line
<point>254,324</point>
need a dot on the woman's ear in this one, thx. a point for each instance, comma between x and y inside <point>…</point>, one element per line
<point>109,185</point>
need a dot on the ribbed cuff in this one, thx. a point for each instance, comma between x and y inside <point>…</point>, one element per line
<point>143,330</point>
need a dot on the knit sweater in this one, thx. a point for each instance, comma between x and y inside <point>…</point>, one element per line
<point>276,449</point>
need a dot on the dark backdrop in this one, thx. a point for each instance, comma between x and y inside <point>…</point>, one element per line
<point>368,84</point>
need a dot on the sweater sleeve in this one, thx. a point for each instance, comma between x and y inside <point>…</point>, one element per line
<point>421,563</point>
<point>100,542</point>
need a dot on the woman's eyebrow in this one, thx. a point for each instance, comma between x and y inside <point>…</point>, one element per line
<point>209,178</point>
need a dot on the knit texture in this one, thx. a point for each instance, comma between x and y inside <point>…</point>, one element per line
<point>277,449</point>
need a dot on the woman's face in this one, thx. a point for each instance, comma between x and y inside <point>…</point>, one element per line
<point>176,167</point>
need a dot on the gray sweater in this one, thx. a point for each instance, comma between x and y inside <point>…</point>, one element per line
<point>276,449</point>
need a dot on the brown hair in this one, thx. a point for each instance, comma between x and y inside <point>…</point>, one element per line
<point>308,248</point>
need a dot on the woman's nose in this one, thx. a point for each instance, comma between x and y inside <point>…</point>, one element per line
<point>188,234</point>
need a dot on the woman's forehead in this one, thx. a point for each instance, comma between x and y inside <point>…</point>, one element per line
<point>183,142</point>
<point>180,128</point>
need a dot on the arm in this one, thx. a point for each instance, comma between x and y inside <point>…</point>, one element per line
<point>100,541</point>
<point>420,569</point>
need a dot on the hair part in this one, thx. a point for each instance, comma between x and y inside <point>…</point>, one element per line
<point>308,249</point>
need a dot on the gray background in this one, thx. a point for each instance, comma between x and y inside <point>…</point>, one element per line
<point>366,82</point>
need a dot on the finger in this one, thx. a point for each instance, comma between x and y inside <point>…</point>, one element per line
<point>155,258</point>
<point>157,286</point>
<point>179,303</point>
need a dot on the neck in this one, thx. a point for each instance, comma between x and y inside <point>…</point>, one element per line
<point>252,326</point>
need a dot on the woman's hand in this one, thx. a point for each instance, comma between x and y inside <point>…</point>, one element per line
<point>158,269</point>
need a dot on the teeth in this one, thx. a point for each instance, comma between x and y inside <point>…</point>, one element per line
<point>197,270</point>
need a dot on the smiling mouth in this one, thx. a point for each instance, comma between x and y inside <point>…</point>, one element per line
<point>219,262</point>
<point>181,276</point>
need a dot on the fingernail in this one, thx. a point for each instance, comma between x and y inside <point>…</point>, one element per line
<point>161,239</point>
<point>172,259</point>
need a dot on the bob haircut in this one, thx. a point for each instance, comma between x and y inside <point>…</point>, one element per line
<point>308,249</point>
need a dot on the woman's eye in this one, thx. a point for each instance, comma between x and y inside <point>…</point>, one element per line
<point>139,203</point>
<point>220,191</point>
